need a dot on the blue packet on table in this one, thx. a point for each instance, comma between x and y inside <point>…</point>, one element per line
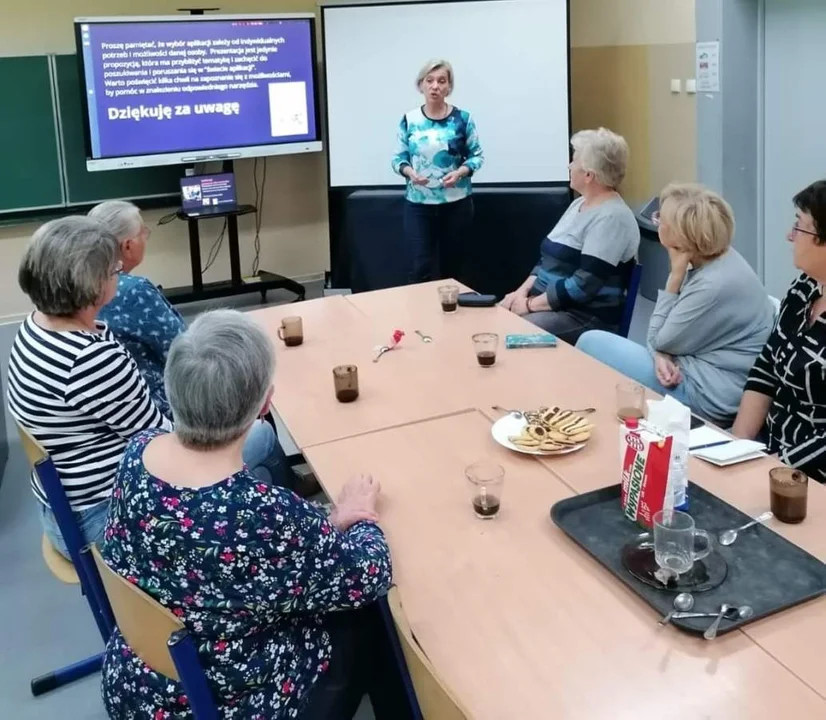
<point>537,340</point>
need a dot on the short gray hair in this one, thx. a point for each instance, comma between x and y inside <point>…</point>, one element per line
<point>119,217</point>
<point>432,65</point>
<point>603,153</point>
<point>67,264</point>
<point>217,377</point>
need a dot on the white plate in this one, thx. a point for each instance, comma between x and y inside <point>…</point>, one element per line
<point>510,425</point>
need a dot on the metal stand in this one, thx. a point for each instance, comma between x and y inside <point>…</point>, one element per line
<point>236,285</point>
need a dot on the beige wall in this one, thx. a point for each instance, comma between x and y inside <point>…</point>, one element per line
<point>623,58</point>
<point>294,233</point>
<point>624,54</point>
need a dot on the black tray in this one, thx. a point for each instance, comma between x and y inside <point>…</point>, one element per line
<point>765,570</point>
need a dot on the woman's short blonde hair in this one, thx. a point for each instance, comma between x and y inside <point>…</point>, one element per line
<point>603,153</point>
<point>432,65</point>
<point>702,222</point>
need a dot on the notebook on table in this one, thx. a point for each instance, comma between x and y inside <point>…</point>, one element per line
<point>719,448</point>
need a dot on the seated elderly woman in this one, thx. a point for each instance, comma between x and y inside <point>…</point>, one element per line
<point>785,398</point>
<point>139,315</point>
<point>710,321</point>
<point>255,572</point>
<point>586,260</point>
<point>74,386</point>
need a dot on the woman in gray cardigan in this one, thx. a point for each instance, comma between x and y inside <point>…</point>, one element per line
<point>711,320</point>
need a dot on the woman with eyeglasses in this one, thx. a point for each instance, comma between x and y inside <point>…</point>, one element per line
<point>139,315</point>
<point>785,398</point>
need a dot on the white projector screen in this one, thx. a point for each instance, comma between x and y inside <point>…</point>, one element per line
<point>510,59</point>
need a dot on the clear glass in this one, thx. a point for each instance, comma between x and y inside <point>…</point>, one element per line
<point>487,481</point>
<point>291,331</point>
<point>346,382</point>
<point>485,345</point>
<point>449,297</point>
<point>630,401</point>
<point>789,494</point>
<point>675,541</point>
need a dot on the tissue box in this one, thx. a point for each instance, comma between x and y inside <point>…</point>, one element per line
<point>645,462</point>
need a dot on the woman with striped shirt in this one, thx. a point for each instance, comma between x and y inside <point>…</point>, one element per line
<point>75,387</point>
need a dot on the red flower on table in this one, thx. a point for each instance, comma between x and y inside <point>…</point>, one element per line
<point>397,336</point>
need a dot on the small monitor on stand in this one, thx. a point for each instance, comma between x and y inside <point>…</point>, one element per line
<point>204,195</point>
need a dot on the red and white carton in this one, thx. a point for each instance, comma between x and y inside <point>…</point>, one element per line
<point>645,465</point>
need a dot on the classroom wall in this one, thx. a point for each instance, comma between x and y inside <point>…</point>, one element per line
<point>294,232</point>
<point>624,55</point>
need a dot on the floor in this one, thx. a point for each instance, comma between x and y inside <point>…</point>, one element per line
<point>47,624</point>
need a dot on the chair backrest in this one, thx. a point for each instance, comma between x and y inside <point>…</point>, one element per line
<point>436,701</point>
<point>631,292</point>
<point>33,449</point>
<point>145,624</point>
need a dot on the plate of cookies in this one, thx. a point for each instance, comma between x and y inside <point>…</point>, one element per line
<point>546,431</point>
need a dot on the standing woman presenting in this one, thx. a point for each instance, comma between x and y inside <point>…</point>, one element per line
<point>438,151</point>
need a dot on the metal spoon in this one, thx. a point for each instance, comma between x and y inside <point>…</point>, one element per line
<point>519,413</point>
<point>727,537</point>
<point>731,614</point>
<point>683,602</point>
<point>744,612</point>
<point>425,338</point>
<point>380,351</point>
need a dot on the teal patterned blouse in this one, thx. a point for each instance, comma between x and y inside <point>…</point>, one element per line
<point>433,148</point>
<point>144,322</point>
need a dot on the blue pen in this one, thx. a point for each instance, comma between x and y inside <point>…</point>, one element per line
<point>709,445</point>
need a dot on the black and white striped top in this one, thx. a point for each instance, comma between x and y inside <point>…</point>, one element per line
<point>791,370</point>
<point>80,394</point>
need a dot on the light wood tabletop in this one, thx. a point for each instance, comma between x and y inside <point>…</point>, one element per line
<point>519,621</point>
<point>433,382</point>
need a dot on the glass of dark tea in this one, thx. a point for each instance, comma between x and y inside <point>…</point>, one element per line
<point>789,493</point>
<point>630,401</point>
<point>486,481</point>
<point>291,331</point>
<point>485,345</point>
<point>346,381</point>
<point>449,297</point>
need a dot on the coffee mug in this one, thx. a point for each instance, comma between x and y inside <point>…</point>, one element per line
<point>674,541</point>
<point>291,331</point>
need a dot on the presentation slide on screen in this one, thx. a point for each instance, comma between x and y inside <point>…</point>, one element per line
<point>165,86</point>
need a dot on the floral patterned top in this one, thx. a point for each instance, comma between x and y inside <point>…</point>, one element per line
<point>144,322</point>
<point>251,569</point>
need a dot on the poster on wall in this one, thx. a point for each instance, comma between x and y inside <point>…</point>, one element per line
<point>708,67</point>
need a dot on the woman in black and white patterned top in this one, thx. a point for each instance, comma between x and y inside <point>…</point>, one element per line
<point>786,389</point>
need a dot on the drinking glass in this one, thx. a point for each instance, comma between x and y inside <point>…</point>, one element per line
<point>346,382</point>
<point>291,331</point>
<point>449,297</point>
<point>674,541</point>
<point>789,494</point>
<point>485,345</point>
<point>630,401</point>
<point>487,480</point>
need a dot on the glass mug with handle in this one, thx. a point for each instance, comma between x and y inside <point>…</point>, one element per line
<point>674,541</point>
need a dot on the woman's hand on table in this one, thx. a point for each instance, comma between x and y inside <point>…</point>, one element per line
<point>668,372</point>
<point>507,301</point>
<point>356,502</point>
<point>520,305</point>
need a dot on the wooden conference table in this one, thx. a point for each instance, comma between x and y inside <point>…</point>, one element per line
<point>519,621</point>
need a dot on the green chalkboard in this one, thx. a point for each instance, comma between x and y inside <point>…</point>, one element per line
<point>90,187</point>
<point>31,178</point>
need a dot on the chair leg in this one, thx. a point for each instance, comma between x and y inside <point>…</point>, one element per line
<point>65,675</point>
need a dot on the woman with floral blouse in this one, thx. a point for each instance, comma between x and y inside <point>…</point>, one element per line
<point>254,572</point>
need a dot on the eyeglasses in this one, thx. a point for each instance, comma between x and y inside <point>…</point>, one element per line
<point>797,229</point>
<point>118,267</point>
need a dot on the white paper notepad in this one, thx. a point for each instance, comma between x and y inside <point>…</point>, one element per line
<point>732,452</point>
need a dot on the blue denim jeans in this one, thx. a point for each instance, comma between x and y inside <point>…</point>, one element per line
<point>262,453</point>
<point>632,360</point>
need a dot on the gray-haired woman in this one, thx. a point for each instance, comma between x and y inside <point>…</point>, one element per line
<point>75,387</point>
<point>139,315</point>
<point>258,575</point>
<point>71,383</point>
<point>437,152</point>
<point>580,280</point>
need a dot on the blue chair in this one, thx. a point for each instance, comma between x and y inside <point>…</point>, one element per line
<point>81,569</point>
<point>631,292</point>
<point>159,638</point>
